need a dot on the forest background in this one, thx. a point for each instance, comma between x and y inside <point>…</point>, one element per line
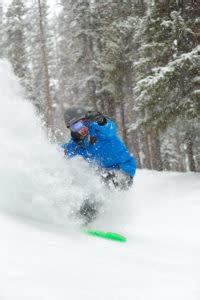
<point>138,62</point>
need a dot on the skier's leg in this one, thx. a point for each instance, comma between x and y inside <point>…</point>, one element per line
<point>107,177</point>
<point>89,210</point>
<point>112,179</point>
<point>116,179</point>
<point>123,181</point>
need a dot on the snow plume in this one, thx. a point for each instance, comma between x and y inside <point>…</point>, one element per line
<point>35,179</point>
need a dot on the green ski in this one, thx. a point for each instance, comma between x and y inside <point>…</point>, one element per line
<point>105,235</point>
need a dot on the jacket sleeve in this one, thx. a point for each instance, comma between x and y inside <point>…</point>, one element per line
<point>70,149</point>
<point>106,131</point>
<point>129,167</point>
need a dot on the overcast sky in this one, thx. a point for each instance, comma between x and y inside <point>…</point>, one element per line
<point>6,2</point>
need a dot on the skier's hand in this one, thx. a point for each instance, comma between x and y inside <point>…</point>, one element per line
<point>96,117</point>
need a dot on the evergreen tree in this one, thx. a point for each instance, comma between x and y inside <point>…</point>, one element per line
<point>1,31</point>
<point>141,67</point>
<point>15,43</point>
<point>40,49</point>
<point>76,54</point>
<point>117,22</point>
<point>168,64</point>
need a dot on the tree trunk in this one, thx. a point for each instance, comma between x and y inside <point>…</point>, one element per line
<point>135,147</point>
<point>92,93</point>
<point>145,153</point>
<point>154,143</point>
<point>120,99</point>
<point>131,115</point>
<point>45,70</point>
<point>189,150</point>
<point>180,156</point>
<point>1,30</point>
<point>123,118</point>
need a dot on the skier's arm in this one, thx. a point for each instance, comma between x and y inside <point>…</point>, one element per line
<point>70,149</point>
<point>106,130</point>
<point>128,167</point>
<point>100,125</point>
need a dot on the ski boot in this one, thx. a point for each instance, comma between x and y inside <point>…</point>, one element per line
<point>89,211</point>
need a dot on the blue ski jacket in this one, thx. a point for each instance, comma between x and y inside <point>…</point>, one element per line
<point>102,147</point>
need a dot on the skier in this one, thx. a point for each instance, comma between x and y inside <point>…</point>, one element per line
<point>94,137</point>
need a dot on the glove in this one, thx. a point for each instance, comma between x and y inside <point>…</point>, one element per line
<point>96,117</point>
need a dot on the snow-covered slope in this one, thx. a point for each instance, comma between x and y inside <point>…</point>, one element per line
<point>44,256</point>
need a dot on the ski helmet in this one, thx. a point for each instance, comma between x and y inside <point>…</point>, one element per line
<point>74,113</point>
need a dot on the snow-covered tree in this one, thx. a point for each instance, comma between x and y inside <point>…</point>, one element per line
<point>39,50</point>
<point>1,31</point>
<point>15,42</point>
<point>117,22</point>
<point>168,64</point>
<point>76,54</point>
<point>135,61</point>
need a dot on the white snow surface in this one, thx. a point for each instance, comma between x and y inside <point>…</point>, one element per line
<point>44,255</point>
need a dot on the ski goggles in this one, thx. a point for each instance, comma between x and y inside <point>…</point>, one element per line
<point>79,127</point>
